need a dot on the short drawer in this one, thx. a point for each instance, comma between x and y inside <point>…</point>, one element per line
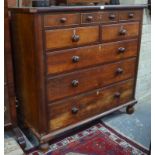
<point>71,37</point>
<point>120,31</point>
<point>68,60</point>
<point>130,15</point>
<point>92,17</point>
<point>99,17</point>
<point>61,20</point>
<point>61,86</point>
<point>109,17</point>
<point>75,109</point>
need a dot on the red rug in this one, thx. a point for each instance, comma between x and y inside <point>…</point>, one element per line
<point>97,140</point>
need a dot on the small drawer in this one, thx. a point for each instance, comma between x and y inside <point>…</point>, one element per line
<point>75,109</point>
<point>93,17</point>
<point>61,20</point>
<point>109,17</point>
<point>130,15</point>
<point>116,32</point>
<point>61,86</point>
<point>77,58</point>
<point>71,37</point>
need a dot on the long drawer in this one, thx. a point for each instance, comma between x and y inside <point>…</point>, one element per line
<point>120,31</point>
<point>64,113</point>
<point>71,37</point>
<point>77,82</point>
<point>68,60</point>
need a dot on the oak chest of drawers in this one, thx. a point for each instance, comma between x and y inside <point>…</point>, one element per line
<point>74,64</point>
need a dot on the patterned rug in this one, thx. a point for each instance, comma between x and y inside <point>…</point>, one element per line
<point>96,140</point>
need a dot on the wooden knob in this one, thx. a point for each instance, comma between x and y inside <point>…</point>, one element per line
<point>112,16</point>
<point>63,20</point>
<point>117,94</point>
<point>75,38</point>
<point>89,18</point>
<point>75,83</point>
<point>75,59</point>
<point>119,71</point>
<point>121,49</point>
<point>75,110</point>
<point>131,15</point>
<point>123,32</point>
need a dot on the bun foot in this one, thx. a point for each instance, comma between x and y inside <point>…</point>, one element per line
<point>44,147</point>
<point>130,109</point>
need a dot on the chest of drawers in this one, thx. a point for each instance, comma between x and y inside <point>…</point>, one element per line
<point>74,64</point>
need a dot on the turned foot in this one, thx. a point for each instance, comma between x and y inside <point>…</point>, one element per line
<point>44,147</point>
<point>130,109</point>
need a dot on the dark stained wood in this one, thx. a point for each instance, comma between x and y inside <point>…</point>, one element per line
<point>61,19</point>
<point>109,17</point>
<point>70,71</point>
<point>99,17</point>
<point>76,8</point>
<point>11,3</point>
<point>120,31</point>
<point>9,94</point>
<point>139,46</point>
<point>91,17</point>
<point>130,15</point>
<point>130,109</point>
<point>7,117</point>
<point>84,123</point>
<point>95,102</point>
<point>29,69</point>
<point>65,37</point>
<point>92,78</point>
<point>62,61</point>
<point>77,2</point>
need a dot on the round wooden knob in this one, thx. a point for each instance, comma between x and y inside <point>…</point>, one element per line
<point>121,49</point>
<point>131,15</point>
<point>75,38</point>
<point>117,94</point>
<point>75,110</point>
<point>89,18</point>
<point>119,71</point>
<point>75,59</point>
<point>63,20</point>
<point>123,32</point>
<point>112,16</point>
<point>75,83</point>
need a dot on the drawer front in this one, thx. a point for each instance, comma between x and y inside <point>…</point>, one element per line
<point>99,17</point>
<point>109,17</point>
<point>68,60</point>
<point>75,109</point>
<point>7,118</point>
<point>93,17</point>
<point>120,31</point>
<point>77,82</point>
<point>130,15</point>
<point>61,20</point>
<point>71,37</point>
